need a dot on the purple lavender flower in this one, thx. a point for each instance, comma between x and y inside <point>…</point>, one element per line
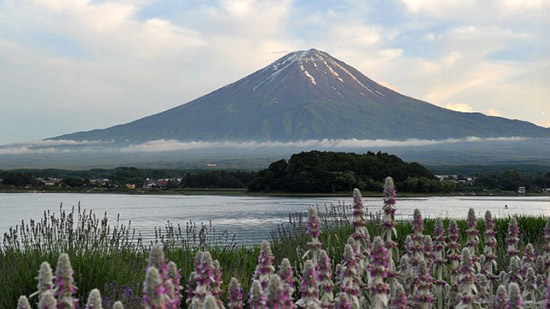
<point>257,296</point>
<point>205,278</point>
<point>389,206</point>
<point>540,271</point>
<point>343,302</point>
<point>530,290</point>
<point>235,293</point>
<point>361,234</point>
<point>529,258</point>
<point>514,300</point>
<point>483,292</point>
<point>216,284</point>
<point>379,259</point>
<point>453,254</point>
<point>388,225</point>
<point>357,253</point>
<point>513,237</point>
<point>348,283</point>
<point>324,276</point>
<point>313,225</point>
<point>467,280</point>
<point>406,272</point>
<point>439,263</point>
<point>175,288</point>
<point>210,302</point>
<point>473,240</point>
<point>489,250</point>
<point>45,279</point>
<point>191,287</point>
<point>416,244</point>
<point>399,300</point>
<point>439,239</point>
<point>428,250</point>
<point>314,230</point>
<point>169,276</point>
<point>47,301</point>
<point>156,258</point>
<point>418,222</point>
<point>94,300</point>
<point>197,260</point>
<point>378,272</point>
<point>546,248</point>
<point>514,271</point>
<point>23,303</point>
<point>422,295</point>
<point>287,276</point>
<point>308,287</point>
<point>192,281</point>
<point>153,292</point>
<point>265,268</point>
<point>389,191</point>
<point>358,209</point>
<point>274,294</point>
<point>118,305</point>
<point>64,283</point>
<point>499,301</point>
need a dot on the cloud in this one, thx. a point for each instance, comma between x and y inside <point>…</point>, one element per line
<point>174,145</point>
<point>64,59</point>
<point>163,145</point>
<point>492,112</point>
<point>50,146</point>
<point>474,10</point>
<point>28,150</point>
<point>73,65</point>
<point>459,107</point>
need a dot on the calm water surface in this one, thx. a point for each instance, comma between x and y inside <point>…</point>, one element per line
<point>250,218</point>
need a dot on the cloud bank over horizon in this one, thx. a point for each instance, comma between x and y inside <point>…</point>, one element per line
<point>73,65</point>
<point>163,145</point>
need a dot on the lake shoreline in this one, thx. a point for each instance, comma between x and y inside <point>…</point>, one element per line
<point>244,192</point>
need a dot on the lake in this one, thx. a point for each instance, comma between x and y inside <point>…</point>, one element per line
<point>251,219</point>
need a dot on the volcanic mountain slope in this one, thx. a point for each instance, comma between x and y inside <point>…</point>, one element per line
<point>308,95</point>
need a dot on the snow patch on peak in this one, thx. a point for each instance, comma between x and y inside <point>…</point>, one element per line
<point>297,56</point>
<point>309,55</point>
<point>332,70</point>
<point>306,73</point>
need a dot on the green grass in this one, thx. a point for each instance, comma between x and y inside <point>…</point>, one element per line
<point>113,270</point>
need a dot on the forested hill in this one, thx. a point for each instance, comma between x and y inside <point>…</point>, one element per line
<point>325,172</point>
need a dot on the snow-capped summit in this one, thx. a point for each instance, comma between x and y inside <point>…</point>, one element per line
<point>308,94</point>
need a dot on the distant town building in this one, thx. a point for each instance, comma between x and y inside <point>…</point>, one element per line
<point>50,182</point>
<point>211,165</point>
<point>521,190</point>
<point>99,181</point>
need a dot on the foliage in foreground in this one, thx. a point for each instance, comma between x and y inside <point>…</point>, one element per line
<point>434,271</point>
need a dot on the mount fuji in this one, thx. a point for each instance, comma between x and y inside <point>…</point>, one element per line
<point>308,95</point>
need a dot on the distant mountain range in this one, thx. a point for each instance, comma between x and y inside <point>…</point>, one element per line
<point>308,95</point>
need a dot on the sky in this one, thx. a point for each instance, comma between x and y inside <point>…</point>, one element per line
<point>73,65</point>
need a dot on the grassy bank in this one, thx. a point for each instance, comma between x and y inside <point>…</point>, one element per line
<point>113,259</point>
